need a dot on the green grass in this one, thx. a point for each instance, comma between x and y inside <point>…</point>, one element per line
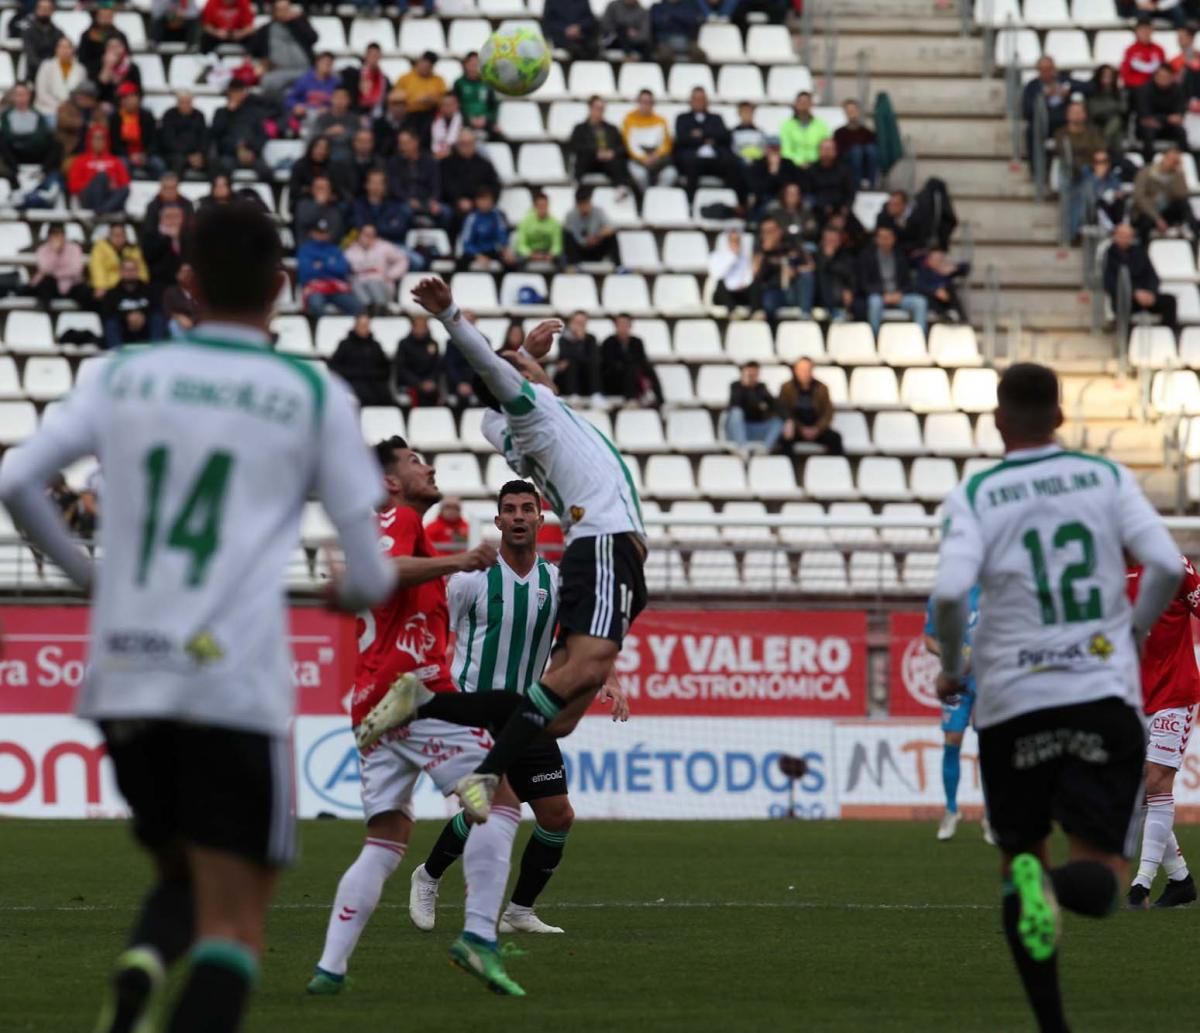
<point>693,927</point>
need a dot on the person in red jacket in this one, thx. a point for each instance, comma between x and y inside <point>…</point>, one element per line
<point>98,177</point>
<point>449,530</point>
<point>1142,57</point>
<point>1170,692</point>
<point>225,21</point>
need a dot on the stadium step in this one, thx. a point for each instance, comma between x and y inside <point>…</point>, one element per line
<point>1046,308</point>
<point>1000,221</point>
<point>981,177</point>
<point>967,97</point>
<point>1023,265</point>
<point>1100,397</point>
<point>899,53</point>
<point>936,138</point>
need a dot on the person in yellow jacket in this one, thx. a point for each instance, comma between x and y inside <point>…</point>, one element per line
<point>104,263</point>
<point>648,141</point>
<point>423,88</point>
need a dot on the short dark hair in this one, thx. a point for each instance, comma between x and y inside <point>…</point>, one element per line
<point>385,450</point>
<point>539,195</point>
<point>624,315</point>
<point>645,93</point>
<point>804,93</point>
<point>517,488</point>
<point>470,54</point>
<point>1028,395</point>
<point>751,364</point>
<point>584,193</point>
<point>594,98</point>
<point>236,254</point>
<point>324,54</point>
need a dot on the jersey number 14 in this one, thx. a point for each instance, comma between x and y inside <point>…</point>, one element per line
<point>1071,535</point>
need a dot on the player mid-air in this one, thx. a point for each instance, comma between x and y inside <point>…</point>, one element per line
<point>406,635</point>
<point>1170,692</point>
<point>1055,658</point>
<point>209,446</point>
<point>503,619</point>
<point>603,586</point>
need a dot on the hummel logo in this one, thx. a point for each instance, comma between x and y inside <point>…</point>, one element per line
<point>347,913</point>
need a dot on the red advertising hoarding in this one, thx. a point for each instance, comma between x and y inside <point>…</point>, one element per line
<point>914,670</point>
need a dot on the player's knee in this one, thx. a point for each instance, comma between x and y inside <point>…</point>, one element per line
<point>1159,779</point>
<point>954,738</point>
<point>557,816</point>
<point>563,725</point>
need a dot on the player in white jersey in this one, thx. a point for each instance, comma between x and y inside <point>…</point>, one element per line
<point>1055,662</point>
<point>603,583</point>
<point>210,446</point>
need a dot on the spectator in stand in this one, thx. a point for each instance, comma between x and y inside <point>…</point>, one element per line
<point>413,178</point>
<point>337,123</point>
<point>377,266</point>
<point>286,44</point>
<point>1075,143</point>
<point>183,138</point>
<point>133,133</point>
<point>225,22</point>
<point>476,99</point>
<point>1052,87</point>
<point>753,413</point>
<point>220,192</point>
<point>808,410</point>
<point>1108,107</point>
<point>588,233</point>
<point>324,275</point>
<point>1161,108</point>
<point>1160,196</point>
<point>460,377</point>
<point>597,147</point>
<point>390,218</point>
<point>797,220</point>
<point>238,134</point>
<point>855,142</point>
<point>1170,10</point>
<point>936,284</point>
<point>777,264</point>
<point>98,178</point>
<point>731,270</point>
<point>178,305</point>
<point>800,136</point>
<point>59,271</point>
<point>831,184</point>
<point>702,147</point>
<point>446,126</point>
<point>465,172</point>
<point>73,118</point>
<point>108,255</point>
<point>647,140</point>
<point>165,244</point>
<point>417,367</point>
<point>539,234</point>
<point>484,238</point>
<point>577,370</point>
<point>570,25</point>
<point>885,281</point>
<point>748,142</point>
<point>394,120</point>
<point>449,530</point>
<point>676,25</point>
<point>320,205</point>
<point>26,137</point>
<point>362,161</point>
<point>168,195</point>
<point>1127,255</point>
<point>898,215</point>
<point>116,70</point>
<point>1107,190</point>
<point>175,21</point>
<point>127,311</point>
<point>627,372</point>
<point>835,281</point>
<point>93,44</point>
<point>626,27</point>
<point>766,178</point>
<point>317,161</point>
<point>1188,57</point>
<point>39,40</point>
<point>367,84</point>
<point>423,89</point>
<point>360,361</point>
<point>1143,56</point>
<point>57,77</point>
<point>312,93</point>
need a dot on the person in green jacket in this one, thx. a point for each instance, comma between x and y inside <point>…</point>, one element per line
<point>801,135</point>
<point>478,101</point>
<point>539,234</point>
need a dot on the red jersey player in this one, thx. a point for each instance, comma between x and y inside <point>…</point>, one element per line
<point>1170,692</point>
<point>407,636</point>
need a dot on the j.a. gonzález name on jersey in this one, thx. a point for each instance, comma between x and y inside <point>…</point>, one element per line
<point>274,404</point>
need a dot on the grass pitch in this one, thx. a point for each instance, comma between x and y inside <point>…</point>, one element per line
<point>671,926</point>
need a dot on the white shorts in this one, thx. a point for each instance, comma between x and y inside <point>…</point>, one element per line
<point>1170,730</point>
<point>443,751</point>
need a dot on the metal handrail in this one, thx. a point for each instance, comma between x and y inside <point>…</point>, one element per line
<point>989,40</point>
<point>1012,101</point>
<point>862,77</point>
<point>991,314</point>
<point>1037,146</point>
<point>1067,186</point>
<point>1123,311</point>
<point>806,33</point>
<point>831,44</point>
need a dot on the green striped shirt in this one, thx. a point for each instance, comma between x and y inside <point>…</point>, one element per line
<point>503,626</point>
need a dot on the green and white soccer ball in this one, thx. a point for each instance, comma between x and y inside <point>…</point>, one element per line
<point>515,62</point>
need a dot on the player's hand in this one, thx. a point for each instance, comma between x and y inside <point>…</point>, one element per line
<point>612,693</point>
<point>539,339</point>
<point>481,557</point>
<point>948,688</point>
<point>433,295</point>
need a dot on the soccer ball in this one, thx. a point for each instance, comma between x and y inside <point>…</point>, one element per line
<point>516,62</point>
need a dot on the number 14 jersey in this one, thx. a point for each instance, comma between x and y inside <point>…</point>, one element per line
<point>1045,531</point>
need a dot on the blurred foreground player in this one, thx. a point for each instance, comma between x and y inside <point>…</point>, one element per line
<point>210,447</point>
<point>1170,691</point>
<point>1055,657</point>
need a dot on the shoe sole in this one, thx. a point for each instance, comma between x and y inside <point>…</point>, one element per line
<point>1037,926</point>
<point>461,960</point>
<point>136,959</point>
<point>324,989</point>
<point>398,707</point>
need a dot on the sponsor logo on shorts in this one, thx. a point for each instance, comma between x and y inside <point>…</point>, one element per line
<point>547,776</point>
<point>1031,750</point>
<point>137,643</point>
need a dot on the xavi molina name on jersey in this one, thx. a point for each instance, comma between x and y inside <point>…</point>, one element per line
<point>1043,487</point>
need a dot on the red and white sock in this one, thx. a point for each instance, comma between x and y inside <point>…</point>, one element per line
<point>486,863</point>
<point>357,897</point>
<point>1160,818</point>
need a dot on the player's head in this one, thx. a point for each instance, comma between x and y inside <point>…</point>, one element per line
<point>1027,406</point>
<point>236,259</point>
<point>518,514</point>
<point>407,478</point>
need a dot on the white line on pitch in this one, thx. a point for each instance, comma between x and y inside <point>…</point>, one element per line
<point>650,905</point>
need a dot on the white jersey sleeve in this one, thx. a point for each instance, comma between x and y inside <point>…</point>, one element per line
<point>462,590</point>
<point>960,559</point>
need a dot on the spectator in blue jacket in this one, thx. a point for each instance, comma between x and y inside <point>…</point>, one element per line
<point>676,25</point>
<point>375,208</point>
<point>936,282</point>
<point>324,274</point>
<point>312,93</point>
<point>485,234</point>
<point>570,25</point>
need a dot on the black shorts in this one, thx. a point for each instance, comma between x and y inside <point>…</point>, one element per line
<point>603,587</point>
<point>205,786</point>
<point>539,772</point>
<point>1079,765</point>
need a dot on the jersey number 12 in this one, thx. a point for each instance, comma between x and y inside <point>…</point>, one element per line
<point>1074,609</point>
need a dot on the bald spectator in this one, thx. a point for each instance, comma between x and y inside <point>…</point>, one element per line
<point>1126,254</point>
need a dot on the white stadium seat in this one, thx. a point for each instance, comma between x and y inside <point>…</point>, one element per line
<point>1094,14</point>
<point>46,377</point>
<point>626,292</point>
<point>721,43</point>
<point>366,30</point>
<point>800,339</point>
<point>731,532</point>
<point>954,346</point>
<point>949,434</point>
<point>479,287</point>
<point>18,420</point>
<point>458,473</point>
<point>1176,391</point>
<point>381,421</point>
<point>926,390</point>
<point>666,208</point>
<point>28,333</point>
<point>690,431</point>
<point>933,478</point>
<point>686,251</point>
<point>747,341</point>
<point>822,571</point>
<point>740,82</point>
<point>520,120</point>
<point>898,433</point>
<point>618,205</point>
<point>294,335</point>
<point>1152,347</point>
<point>685,77</point>
<point>677,295</point>
<point>466,34</point>
<point>638,250</point>
<point>698,340</point>
<point>987,438</point>
<point>723,477</point>
<point>692,532</point>
<point>874,387</point>
<point>664,571</point>
<point>873,572</point>
<point>670,477</point>
<point>975,390</point>
<point>10,383</point>
<point>1109,46</point>
<point>856,436</point>
<point>771,45</point>
<point>676,382</point>
<point>881,479</point>
<point>331,35</point>
<point>902,344</point>
<point>572,291</point>
<point>639,430</point>
<point>1069,48</point>
<point>834,378</point>
<point>510,290</point>
<point>636,76</point>
<point>772,477</point>
<point>829,478</point>
<point>418,35</point>
<point>586,78</point>
<point>714,571</point>
<point>1173,259</point>
<point>471,431</point>
<point>851,344</point>
<point>784,81</point>
<point>541,163</point>
<point>843,515</point>
<point>1047,14</point>
<point>655,336</point>
<point>712,384</point>
<point>816,536</point>
<point>920,569</point>
<point>431,428</point>
<point>902,512</point>
<point>997,13</point>
<point>1016,46</point>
